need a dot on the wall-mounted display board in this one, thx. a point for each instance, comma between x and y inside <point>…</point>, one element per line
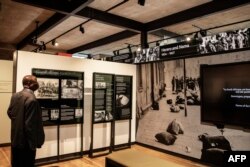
<point>103,97</point>
<point>60,95</point>
<point>123,95</point>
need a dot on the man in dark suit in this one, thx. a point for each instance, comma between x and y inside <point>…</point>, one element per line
<point>27,133</point>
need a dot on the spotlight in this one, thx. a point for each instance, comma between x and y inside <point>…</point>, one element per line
<point>157,43</point>
<point>54,43</point>
<point>196,35</point>
<point>188,39</point>
<point>139,49</point>
<point>34,40</point>
<point>203,33</point>
<point>81,29</point>
<point>116,52</point>
<point>43,47</point>
<point>39,49</point>
<point>141,2</point>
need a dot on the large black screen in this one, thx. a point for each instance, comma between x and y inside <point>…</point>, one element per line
<point>225,94</point>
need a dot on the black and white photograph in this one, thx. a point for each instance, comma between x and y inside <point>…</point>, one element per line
<point>100,85</point>
<point>225,41</point>
<point>54,114</point>
<point>99,116</point>
<point>122,100</point>
<point>171,119</point>
<point>140,56</point>
<point>152,54</point>
<point>78,112</point>
<point>71,89</point>
<point>48,88</point>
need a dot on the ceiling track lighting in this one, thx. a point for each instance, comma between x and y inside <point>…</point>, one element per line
<point>54,43</point>
<point>34,38</point>
<point>81,29</point>
<point>188,39</point>
<point>157,43</point>
<point>203,33</point>
<point>141,2</point>
<point>116,52</point>
<point>139,49</point>
<point>43,47</point>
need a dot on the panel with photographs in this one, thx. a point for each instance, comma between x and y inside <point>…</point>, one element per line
<point>123,94</point>
<point>103,92</point>
<point>60,95</point>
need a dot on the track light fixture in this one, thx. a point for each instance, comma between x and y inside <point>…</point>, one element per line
<point>54,43</point>
<point>34,38</point>
<point>157,43</point>
<point>196,35</point>
<point>43,47</point>
<point>138,49</point>
<point>81,29</point>
<point>129,48</point>
<point>141,2</point>
<point>203,33</point>
<point>116,52</point>
<point>188,39</point>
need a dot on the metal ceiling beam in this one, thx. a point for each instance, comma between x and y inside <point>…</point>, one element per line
<point>195,12</point>
<point>104,41</point>
<point>111,19</point>
<point>45,27</point>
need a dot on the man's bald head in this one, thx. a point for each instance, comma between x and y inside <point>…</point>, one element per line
<point>30,81</point>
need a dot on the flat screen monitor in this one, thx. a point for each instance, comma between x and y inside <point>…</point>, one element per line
<point>225,94</point>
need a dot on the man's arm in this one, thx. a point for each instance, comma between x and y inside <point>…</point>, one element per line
<point>33,124</point>
<point>10,109</point>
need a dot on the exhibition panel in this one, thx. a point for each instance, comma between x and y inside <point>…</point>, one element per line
<point>60,95</point>
<point>123,97</point>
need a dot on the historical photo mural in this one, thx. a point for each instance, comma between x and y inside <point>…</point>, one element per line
<point>168,110</point>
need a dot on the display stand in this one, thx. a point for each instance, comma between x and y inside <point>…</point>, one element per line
<point>61,96</point>
<point>103,107</point>
<point>123,106</point>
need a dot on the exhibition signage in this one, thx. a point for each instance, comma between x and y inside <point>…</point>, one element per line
<point>103,95</point>
<point>123,94</point>
<point>218,43</point>
<point>179,49</point>
<point>60,95</point>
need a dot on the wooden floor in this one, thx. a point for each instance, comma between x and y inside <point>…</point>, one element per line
<point>100,161</point>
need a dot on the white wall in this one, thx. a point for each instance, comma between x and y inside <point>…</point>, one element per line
<point>70,134</point>
<point>6,75</point>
